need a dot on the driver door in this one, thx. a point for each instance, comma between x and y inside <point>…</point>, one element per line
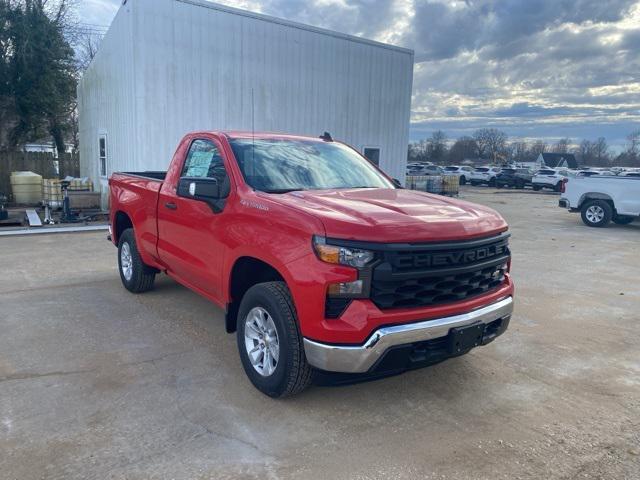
<point>189,230</point>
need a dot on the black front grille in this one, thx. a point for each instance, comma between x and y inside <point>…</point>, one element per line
<point>417,275</point>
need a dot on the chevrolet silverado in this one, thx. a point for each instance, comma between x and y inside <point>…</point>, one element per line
<point>322,264</point>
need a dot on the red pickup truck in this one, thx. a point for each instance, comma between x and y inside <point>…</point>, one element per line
<point>322,264</point>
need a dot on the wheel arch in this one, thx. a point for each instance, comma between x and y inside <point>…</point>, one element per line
<point>246,272</point>
<point>595,196</point>
<point>121,221</point>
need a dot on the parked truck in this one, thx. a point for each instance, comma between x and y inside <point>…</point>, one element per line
<point>602,199</point>
<point>323,266</point>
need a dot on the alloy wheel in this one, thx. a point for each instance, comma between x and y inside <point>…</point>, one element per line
<point>261,341</point>
<point>126,261</point>
<point>595,214</point>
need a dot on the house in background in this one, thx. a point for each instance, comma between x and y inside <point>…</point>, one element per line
<point>554,160</point>
<point>168,67</point>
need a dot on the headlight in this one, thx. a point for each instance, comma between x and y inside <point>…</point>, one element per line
<point>351,257</point>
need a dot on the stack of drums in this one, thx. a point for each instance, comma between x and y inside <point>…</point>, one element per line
<point>451,185</point>
<point>26,188</point>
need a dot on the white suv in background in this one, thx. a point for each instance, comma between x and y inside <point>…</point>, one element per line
<point>549,178</point>
<point>463,173</point>
<point>484,176</point>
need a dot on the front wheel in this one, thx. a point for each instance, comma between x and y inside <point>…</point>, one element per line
<point>596,213</point>
<point>134,274</point>
<point>463,180</point>
<point>269,341</point>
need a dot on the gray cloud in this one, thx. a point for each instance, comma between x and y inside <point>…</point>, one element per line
<point>536,68</point>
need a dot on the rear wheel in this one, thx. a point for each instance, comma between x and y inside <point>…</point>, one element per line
<point>596,213</point>
<point>134,274</point>
<point>463,180</point>
<point>269,341</point>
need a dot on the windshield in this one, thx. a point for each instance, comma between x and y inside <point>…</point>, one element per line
<point>451,169</point>
<point>546,172</point>
<point>482,169</point>
<point>283,165</point>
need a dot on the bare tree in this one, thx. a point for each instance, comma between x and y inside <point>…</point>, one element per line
<point>437,146</point>
<point>464,147</point>
<point>601,152</point>
<point>633,143</point>
<point>491,142</point>
<point>86,48</point>
<point>539,147</point>
<point>562,146</point>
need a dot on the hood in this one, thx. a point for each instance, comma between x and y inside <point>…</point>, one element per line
<point>388,215</point>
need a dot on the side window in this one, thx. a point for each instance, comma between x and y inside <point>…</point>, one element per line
<point>204,161</point>
<point>102,154</point>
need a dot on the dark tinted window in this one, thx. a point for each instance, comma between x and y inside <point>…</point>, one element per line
<point>373,155</point>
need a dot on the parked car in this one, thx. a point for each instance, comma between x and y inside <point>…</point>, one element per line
<point>514,177</point>
<point>320,263</point>
<point>463,173</point>
<point>415,168</point>
<point>602,199</point>
<point>549,178</point>
<point>630,174</point>
<point>424,169</point>
<point>434,170</point>
<point>484,176</point>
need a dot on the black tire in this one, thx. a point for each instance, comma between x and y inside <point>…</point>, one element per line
<point>537,188</point>
<point>142,276</point>
<point>623,219</point>
<point>292,373</point>
<point>492,182</point>
<point>463,180</point>
<point>600,207</point>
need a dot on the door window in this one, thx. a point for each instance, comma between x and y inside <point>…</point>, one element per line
<point>204,161</point>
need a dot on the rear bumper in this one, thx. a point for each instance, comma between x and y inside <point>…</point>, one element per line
<point>408,338</point>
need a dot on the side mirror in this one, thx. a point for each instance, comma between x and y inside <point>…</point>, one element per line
<point>203,189</point>
<point>397,182</point>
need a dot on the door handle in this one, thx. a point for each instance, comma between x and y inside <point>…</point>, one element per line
<point>171,206</point>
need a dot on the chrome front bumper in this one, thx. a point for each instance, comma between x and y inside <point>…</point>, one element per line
<point>360,358</point>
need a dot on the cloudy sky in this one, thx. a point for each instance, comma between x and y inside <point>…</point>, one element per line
<point>534,68</point>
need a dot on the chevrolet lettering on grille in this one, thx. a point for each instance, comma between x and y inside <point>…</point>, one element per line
<point>445,259</point>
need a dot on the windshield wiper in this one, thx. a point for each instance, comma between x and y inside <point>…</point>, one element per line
<point>282,190</point>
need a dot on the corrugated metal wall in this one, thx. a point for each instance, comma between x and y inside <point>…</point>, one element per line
<point>172,66</point>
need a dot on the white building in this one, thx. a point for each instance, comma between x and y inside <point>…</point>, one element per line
<point>167,67</point>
